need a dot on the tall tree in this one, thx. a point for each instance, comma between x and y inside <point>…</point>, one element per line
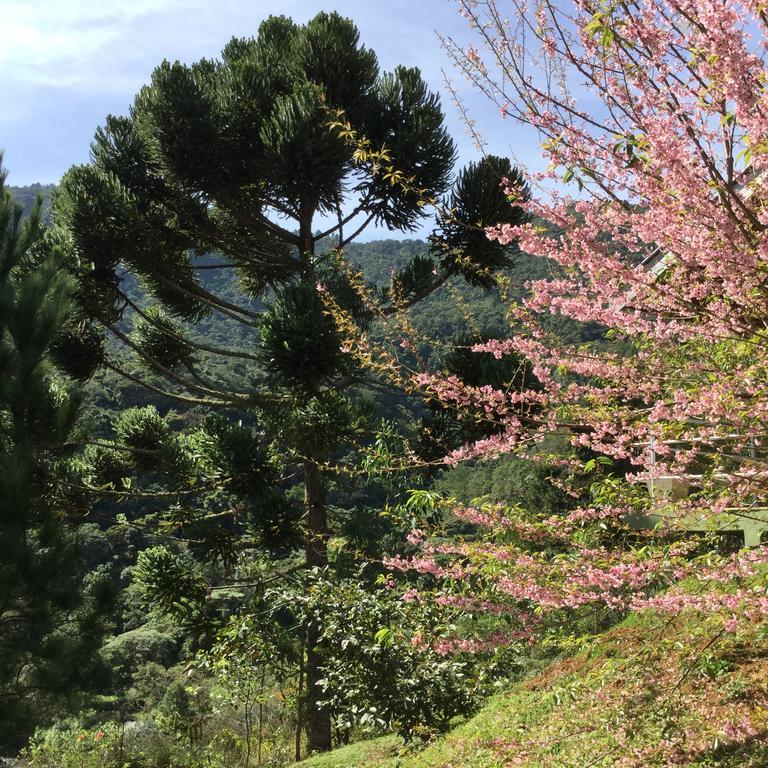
<point>655,112</point>
<point>241,159</point>
<point>50,607</point>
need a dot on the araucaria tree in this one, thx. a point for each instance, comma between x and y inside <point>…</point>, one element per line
<point>246,163</point>
<point>50,627</point>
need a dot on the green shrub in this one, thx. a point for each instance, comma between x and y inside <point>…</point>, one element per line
<point>135,744</point>
<point>127,652</point>
<point>376,678</point>
<point>67,745</point>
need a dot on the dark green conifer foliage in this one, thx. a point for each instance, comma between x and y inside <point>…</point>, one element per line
<point>231,161</point>
<point>50,608</point>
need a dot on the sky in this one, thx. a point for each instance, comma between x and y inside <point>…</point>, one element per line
<point>66,64</point>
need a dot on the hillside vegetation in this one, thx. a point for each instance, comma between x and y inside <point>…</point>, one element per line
<point>650,692</point>
<point>618,702</point>
<point>27,196</point>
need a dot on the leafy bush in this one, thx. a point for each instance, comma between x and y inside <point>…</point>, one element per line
<point>66,745</point>
<point>183,711</point>
<point>149,683</point>
<point>135,744</point>
<point>376,677</point>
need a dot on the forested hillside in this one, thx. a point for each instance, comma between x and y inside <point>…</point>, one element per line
<point>457,312</point>
<point>163,673</point>
<point>27,196</point>
<point>440,316</point>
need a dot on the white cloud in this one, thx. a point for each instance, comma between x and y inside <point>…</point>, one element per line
<point>66,42</point>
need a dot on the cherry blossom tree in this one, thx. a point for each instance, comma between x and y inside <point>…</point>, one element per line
<point>653,117</point>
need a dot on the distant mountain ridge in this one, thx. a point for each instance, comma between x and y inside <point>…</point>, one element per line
<point>441,316</point>
<point>27,196</point>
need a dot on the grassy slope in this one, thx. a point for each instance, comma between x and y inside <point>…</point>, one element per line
<point>650,693</point>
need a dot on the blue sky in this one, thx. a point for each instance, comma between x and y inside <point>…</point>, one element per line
<point>66,64</point>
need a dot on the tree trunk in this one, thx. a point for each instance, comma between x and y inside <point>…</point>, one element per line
<point>299,706</point>
<point>318,719</point>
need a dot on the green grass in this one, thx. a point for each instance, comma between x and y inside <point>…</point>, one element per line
<point>650,693</point>
<point>377,753</point>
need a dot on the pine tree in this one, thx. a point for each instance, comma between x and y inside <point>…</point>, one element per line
<point>231,164</point>
<point>50,608</point>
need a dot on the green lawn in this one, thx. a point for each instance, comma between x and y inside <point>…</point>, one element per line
<point>377,753</point>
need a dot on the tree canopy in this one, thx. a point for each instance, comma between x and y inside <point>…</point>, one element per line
<point>51,620</point>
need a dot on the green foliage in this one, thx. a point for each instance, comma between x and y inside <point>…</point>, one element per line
<point>240,452</point>
<point>69,746</point>
<point>320,424</point>
<point>300,344</point>
<point>50,607</point>
<point>252,658</point>
<point>479,200</point>
<point>374,676</point>
<point>149,682</point>
<point>135,744</point>
<point>79,352</point>
<point>508,480</point>
<point>175,583</point>
<point>241,461</point>
<point>109,468</point>
<point>145,433</point>
<point>182,711</point>
<point>414,280</point>
<point>162,339</point>
<point>409,123</point>
<point>127,652</point>
<point>377,258</point>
